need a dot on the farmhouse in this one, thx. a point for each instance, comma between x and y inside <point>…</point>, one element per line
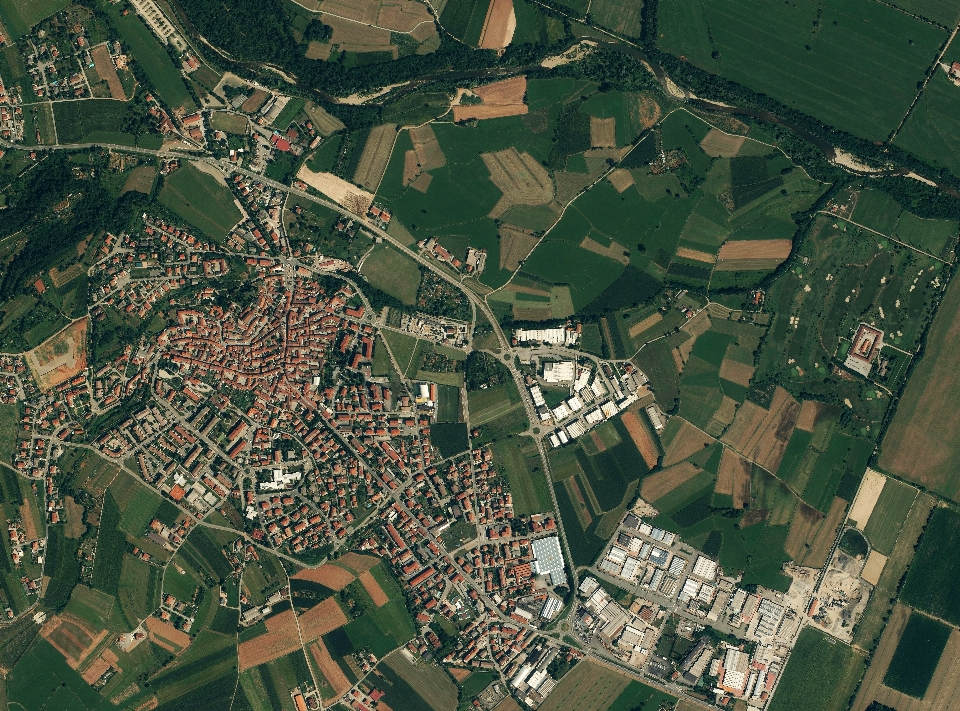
<point>866,345</point>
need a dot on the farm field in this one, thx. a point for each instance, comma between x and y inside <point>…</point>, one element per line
<point>930,583</point>
<point>153,58</point>
<point>822,673</point>
<point>499,408</point>
<point>917,655</point>
<point>426,686</point>
<point>390,271</point>
<point>587,687</point>
<point>520,459</point>
<point>20,15</point>
<point>201,200</point>
<point>889,514</point>
<point>880,212</point>
<point>858,70</point>
<point>920,443</point>
<point>91,121</point>
<point>931,131</point>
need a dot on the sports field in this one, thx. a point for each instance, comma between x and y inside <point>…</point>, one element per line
<point>201,200</point>
<point>853,64</point>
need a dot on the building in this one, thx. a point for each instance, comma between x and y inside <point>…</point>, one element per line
<point>559,372</point>
<point>705,568</point>
<point>735,666</point>
<point>555,336</point>
<point>548,560</point>
<point>866,345</point>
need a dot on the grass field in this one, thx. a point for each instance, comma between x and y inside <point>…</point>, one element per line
<point>200,200</point>
<point>881,213</point>
<point>588,687</point>
<point>929,586</point>
<point>42,680</point>
<point>20,15</point>
<point>519,458</point>
<point>917,655</point>
<point>881,600</point>
<point>922,441</point>
<point>464,19</point>
<point>888,515</point>
<point>822,673</point>
<point>854,65</point>
<point>153,58</point>
<point>395,273</point>
<point>933,129</point>
<point>9,418</point>
<point>89,121</point>
<point>230,123</point>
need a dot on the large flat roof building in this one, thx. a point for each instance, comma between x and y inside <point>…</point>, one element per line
<point>548,559</point>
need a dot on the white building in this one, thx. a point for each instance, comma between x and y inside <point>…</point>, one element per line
<point>560,372</point>
<point>548,560</point>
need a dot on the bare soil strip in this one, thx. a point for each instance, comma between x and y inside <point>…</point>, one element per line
<point>641,326</point>
<point>107,72</point>
<point>621,179</point>
<point>718,144</point>
<point>696,255</point>
<point>375,156</point>
<point>867,496</point>
<point>756,249</point>
<point>807,419</point>
<point>658,485</point>
<point>603,132</point>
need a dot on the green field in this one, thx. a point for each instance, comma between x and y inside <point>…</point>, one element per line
<point>9,419</point>
<point>821,674</point>
<point>931,583</point>
<point>228,122</point>
<point>917,655</point>
<point>403,347</point>
<point>881,213</point>
<point>94,120</point>
<point>201,200</point>
<point>395,273</point>
<point>854,65</point>
<point>289,113</point>
<point>888,515</point>
<point>497,411</point>
<point>42,680</point>
<point>139,592</point>
<point>153,58</point>
<point>933,129</point>
<point>464,19</point>
<point>520,460</point>
<point>20,15</point>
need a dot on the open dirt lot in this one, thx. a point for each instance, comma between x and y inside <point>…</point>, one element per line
<point>515,245</point>
<point>642,438</point>
<point>60,357</point>
<point>330,669</point>
<point>330,575</point>
<point>373,588</point>
<point>658,485</point>
<point>718,144</point>
<point>322,618</point>
<point>803,529</point>
<point>762,435</point>
<point>816,554</point>
<point>499,25</point>
<point>73,513</point>
<point>689,440</point>
<point>337,189</point>
<point>756,249</point>
<point>603,132</point>
<point>696,255</point>
<point>871,486</point>
<point>614,251</point>
<point>620,179</point>
<point>375,156</point>
<point>736,372</point>
<point>107,72</point>
<point>807,419</point>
